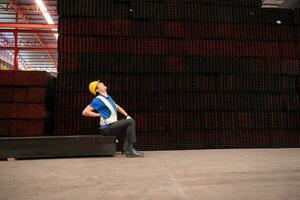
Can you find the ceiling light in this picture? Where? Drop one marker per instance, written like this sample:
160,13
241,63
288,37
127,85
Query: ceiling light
47,16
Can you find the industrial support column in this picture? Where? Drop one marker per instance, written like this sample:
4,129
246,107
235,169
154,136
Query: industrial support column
16,50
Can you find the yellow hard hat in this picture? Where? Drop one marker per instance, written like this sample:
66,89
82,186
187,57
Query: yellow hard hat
93,86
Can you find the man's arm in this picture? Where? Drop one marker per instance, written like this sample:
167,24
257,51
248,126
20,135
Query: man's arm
88,112
121,110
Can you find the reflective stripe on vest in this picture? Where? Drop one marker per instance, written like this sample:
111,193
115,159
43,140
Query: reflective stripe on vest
113,115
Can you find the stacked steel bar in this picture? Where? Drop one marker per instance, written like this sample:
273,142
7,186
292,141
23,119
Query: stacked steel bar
194,74
26,103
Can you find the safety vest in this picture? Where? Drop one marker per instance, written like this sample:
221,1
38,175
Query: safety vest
113,115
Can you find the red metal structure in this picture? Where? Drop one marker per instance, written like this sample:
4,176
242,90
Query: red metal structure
26,35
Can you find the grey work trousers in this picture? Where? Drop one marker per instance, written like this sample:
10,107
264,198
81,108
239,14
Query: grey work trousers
127,125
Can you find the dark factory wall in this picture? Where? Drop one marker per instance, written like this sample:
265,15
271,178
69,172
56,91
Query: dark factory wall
192,73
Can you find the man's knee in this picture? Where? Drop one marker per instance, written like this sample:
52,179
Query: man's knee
131,121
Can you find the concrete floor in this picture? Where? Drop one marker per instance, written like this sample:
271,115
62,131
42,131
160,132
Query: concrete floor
235,174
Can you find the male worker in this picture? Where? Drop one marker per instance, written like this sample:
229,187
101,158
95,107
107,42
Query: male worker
106,109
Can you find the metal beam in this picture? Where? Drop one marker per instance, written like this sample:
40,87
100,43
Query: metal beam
31,7
26,31
16,50
41,67
22,25
42,62
30,48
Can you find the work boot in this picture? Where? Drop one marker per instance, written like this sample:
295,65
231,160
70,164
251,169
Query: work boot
134,153
131,152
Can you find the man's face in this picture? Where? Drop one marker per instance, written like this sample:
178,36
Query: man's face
101,87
